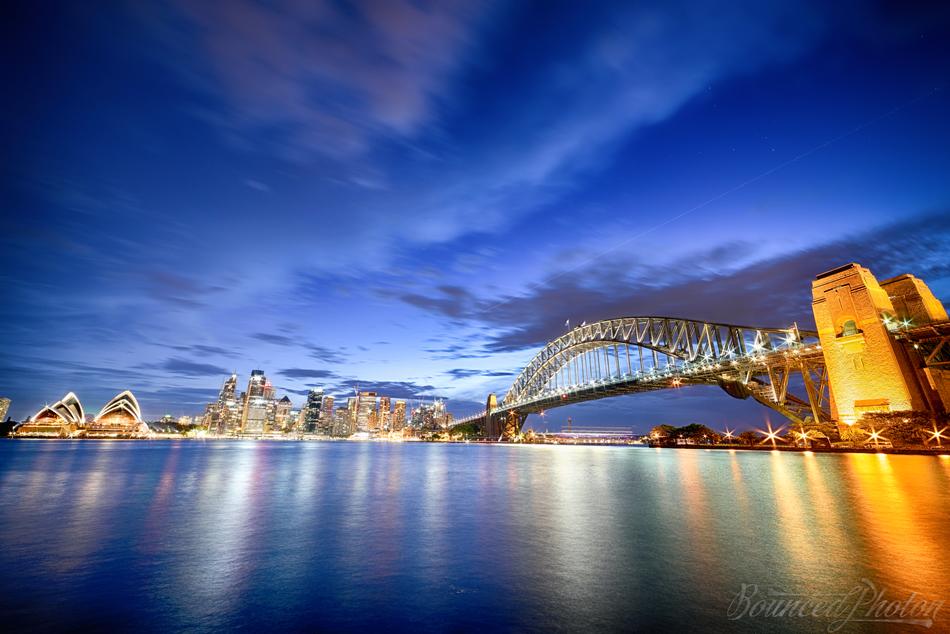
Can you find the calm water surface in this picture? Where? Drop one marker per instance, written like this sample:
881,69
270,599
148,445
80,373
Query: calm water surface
169,535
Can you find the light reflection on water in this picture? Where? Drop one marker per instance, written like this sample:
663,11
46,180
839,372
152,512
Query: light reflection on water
214,535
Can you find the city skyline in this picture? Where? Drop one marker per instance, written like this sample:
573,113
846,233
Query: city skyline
316,401
427,224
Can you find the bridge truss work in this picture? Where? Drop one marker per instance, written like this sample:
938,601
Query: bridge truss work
931,343
639,354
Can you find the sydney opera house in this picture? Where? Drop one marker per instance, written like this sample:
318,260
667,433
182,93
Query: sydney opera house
119,418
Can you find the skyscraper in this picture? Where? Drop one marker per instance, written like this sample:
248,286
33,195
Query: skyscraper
4,408
224,415
326,416
256,403
384,417
281,415
366,407
313,410
342,423
399,415
351,417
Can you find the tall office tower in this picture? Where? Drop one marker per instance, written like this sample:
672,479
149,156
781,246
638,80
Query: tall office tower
256,404
326,416
417,416
313,409
351,411
366,406
4,408
399,415
282,414
384,417
438,413
224,414
372,423
229,389
342,423
207,418
429,416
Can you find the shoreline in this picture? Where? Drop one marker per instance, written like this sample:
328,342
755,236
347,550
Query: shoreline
908,451
943,452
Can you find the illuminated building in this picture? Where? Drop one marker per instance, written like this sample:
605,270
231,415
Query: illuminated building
326,417
351,410
224,415
61,419
431,417
856,317
185,421
282,418
384,416
365,408
313,410
4,408
343,424
439,414
119,418
399,415
258,408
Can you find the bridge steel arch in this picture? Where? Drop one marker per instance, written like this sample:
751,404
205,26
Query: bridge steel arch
634,354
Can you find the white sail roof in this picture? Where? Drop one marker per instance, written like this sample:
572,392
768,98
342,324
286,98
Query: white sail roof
122,402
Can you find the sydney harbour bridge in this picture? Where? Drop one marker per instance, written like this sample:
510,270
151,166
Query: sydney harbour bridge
878,347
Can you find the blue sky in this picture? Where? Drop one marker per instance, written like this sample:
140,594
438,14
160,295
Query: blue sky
415,196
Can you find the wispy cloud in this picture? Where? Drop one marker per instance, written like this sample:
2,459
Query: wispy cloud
186,367
320,78
305,373
395,389
464,373
770,292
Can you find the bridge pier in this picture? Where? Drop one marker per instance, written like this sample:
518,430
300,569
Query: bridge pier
859,320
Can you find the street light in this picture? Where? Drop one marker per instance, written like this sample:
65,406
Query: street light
803,436
876,437
937,435
770,434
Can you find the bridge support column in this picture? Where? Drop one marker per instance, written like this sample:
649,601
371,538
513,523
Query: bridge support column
491,427
856,318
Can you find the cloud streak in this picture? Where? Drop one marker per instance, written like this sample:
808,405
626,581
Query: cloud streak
321,78
770,293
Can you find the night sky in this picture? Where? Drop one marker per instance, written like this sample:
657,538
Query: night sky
416,195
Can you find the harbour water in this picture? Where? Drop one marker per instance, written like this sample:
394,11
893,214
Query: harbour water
304,536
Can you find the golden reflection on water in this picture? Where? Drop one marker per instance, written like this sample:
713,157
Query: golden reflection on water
826,513
579,503
698,514
902,547
738,486
797,533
